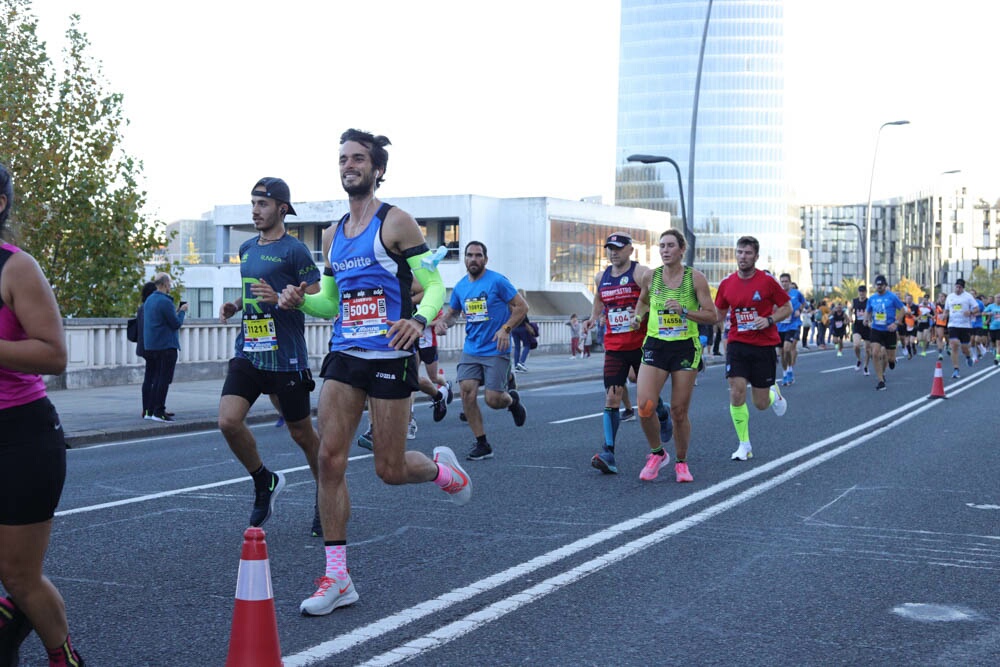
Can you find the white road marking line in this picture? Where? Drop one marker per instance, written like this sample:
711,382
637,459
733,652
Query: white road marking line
835,370
496,610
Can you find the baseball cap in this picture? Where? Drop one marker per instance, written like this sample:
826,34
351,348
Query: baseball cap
862,288
880,280
618,240
960,281
274,188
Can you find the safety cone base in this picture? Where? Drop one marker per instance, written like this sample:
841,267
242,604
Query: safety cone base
937,387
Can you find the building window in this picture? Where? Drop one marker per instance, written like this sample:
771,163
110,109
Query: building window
199,302
231,294
441,232
577,250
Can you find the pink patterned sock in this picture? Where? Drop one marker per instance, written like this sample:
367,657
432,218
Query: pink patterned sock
444,476
336,561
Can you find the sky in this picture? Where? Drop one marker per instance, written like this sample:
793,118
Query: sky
512,99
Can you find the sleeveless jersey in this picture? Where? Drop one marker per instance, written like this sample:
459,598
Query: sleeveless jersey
620,294
374,288
664,323
16,388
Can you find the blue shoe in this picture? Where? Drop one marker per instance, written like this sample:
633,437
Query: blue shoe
365,441
968,361
666,424
280,422
791,377
605,461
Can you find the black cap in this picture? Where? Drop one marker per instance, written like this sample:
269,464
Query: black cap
618,240
960,281
862,288
880,280
274,188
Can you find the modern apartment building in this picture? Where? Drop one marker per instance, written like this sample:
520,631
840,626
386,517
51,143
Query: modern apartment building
739,159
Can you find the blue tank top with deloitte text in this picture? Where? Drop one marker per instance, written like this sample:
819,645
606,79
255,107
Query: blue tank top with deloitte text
374,288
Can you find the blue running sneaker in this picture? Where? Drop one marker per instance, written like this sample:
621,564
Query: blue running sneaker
605,461
666,424
791,377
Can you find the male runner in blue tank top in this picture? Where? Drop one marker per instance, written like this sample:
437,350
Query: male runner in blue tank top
372,255
270,354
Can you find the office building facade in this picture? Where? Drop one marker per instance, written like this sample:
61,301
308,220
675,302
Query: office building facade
739,183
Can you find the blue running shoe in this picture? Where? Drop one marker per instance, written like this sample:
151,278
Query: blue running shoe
791,377
605,461
666,424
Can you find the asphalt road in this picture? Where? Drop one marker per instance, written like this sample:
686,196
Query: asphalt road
866,530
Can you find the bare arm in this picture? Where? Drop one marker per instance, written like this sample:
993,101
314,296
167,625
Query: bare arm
598,308
27,293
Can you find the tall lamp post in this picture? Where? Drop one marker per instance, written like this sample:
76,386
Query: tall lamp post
688,233
845,223
868,214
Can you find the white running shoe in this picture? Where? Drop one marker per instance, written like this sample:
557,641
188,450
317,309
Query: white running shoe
460,488
330,594
779,404
743,452
411,430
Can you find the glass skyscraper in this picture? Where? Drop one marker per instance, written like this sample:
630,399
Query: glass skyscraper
739,179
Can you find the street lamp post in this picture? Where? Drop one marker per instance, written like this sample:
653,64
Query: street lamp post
846,223
688,233
868,214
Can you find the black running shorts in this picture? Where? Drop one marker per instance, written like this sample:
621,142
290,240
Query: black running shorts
291,387
886,339
32,463
617,364
379,378
751,362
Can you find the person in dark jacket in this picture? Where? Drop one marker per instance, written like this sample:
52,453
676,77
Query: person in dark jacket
161,321
140,351
522,343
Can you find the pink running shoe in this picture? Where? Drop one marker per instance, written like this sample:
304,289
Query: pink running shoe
653,465
682,472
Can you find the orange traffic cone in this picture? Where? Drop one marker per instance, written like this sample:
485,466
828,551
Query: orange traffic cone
254,639
937,388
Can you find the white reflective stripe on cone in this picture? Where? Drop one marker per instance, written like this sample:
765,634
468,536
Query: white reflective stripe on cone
254,581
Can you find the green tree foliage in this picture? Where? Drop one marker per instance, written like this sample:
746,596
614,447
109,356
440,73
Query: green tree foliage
908,286
847,290
985,283
78,199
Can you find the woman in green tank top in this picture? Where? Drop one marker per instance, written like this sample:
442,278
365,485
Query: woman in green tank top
677,299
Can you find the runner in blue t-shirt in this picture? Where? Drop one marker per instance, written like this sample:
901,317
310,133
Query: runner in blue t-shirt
788,329
270,355
883,314
991,315
492,309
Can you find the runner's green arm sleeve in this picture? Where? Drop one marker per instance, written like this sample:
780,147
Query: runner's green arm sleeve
431,281
326,302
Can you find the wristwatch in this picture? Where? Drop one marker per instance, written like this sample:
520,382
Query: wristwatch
770,320
421,319
507,328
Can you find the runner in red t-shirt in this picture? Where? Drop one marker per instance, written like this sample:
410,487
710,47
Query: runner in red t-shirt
754,301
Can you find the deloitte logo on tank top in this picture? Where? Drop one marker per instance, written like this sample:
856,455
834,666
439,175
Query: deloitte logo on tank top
351,263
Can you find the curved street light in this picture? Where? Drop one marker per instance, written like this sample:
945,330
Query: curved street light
846,223
688,234
868,214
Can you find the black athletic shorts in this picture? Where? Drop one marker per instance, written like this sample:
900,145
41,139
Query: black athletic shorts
886,339
32,463
428,355
790,336
860,329
751,362
923,326
291,387
994,335
617,364
379,378
672,355
962,334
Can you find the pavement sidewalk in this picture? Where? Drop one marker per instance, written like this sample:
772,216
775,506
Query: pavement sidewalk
100,414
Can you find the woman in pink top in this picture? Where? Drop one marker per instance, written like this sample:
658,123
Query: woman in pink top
32,450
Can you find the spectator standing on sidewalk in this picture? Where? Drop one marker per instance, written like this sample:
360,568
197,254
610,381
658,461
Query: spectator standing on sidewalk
161,322
574,336
807,323
270,355
32,451
140,351
523,335
492,308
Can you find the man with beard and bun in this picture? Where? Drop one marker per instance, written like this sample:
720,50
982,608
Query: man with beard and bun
270,352
861,333
615,297
372,255
754,301
492,308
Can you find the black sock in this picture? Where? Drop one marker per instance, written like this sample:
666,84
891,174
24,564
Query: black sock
261,477
481,439
681,460
658,451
